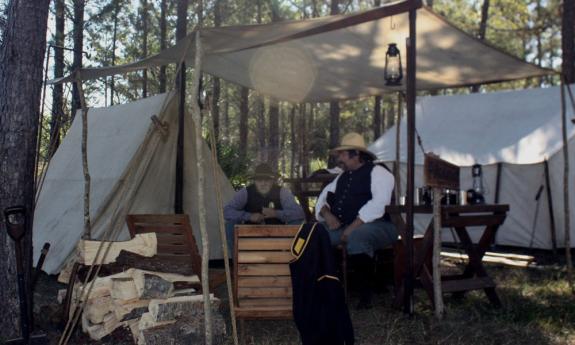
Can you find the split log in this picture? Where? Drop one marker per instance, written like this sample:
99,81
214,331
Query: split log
142,244
98,331
128,260
184,331
152,285
123,289
147,321
180,307
97,308
131,311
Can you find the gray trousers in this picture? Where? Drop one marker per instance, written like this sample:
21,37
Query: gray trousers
367,238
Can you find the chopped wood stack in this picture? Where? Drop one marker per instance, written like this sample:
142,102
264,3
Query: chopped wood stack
157,307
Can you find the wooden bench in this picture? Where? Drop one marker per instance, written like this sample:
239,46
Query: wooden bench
262,281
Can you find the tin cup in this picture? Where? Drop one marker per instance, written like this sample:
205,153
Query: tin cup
462,197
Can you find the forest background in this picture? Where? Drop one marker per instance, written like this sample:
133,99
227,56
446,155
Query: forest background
248,127
45,39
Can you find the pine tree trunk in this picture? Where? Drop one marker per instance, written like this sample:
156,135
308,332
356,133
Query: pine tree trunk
376,117
144,5
21,61
262,153
293,141
114,42
216,81
57,91
274,145
163,34
334,110
481,32
78,32
567,43
182,19
333,129
244,109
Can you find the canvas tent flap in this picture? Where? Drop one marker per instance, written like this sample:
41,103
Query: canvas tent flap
339,57
132,168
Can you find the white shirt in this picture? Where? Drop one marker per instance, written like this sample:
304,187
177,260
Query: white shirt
382,183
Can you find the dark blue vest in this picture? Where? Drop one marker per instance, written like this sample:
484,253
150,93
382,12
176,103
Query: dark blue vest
256,201
353,190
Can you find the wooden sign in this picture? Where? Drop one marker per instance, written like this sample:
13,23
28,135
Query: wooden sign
439,173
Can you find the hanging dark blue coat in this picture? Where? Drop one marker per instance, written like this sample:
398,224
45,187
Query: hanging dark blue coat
319,307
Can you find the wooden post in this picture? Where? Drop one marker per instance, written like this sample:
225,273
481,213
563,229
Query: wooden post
87,180
550,208
436,259
498,183
410,97
397,165
196,115
566,207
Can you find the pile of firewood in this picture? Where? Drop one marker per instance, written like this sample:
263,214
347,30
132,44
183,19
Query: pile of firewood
157,307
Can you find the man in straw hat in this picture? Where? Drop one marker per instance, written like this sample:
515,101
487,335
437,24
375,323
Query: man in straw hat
352,208
261,202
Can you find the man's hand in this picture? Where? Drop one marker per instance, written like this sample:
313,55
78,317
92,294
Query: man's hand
269,212
256,218
349,229
331,220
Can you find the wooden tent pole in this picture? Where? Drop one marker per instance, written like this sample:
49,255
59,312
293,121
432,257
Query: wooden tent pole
410,98
566,207
87,179
550,207
196,115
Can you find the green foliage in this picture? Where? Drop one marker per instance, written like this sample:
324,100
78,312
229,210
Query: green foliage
235,168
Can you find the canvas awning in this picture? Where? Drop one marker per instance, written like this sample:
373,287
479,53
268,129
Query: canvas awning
338,57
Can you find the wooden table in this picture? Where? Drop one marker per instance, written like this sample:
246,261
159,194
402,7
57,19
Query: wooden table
474,276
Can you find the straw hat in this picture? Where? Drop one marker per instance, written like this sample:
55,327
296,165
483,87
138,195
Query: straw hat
353,141
264,171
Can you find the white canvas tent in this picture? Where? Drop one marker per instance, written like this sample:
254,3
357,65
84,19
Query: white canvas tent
132,167
520,129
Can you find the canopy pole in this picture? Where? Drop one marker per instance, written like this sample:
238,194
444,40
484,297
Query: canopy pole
196,116
410,105
566,207
397,166
179,192
550,208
